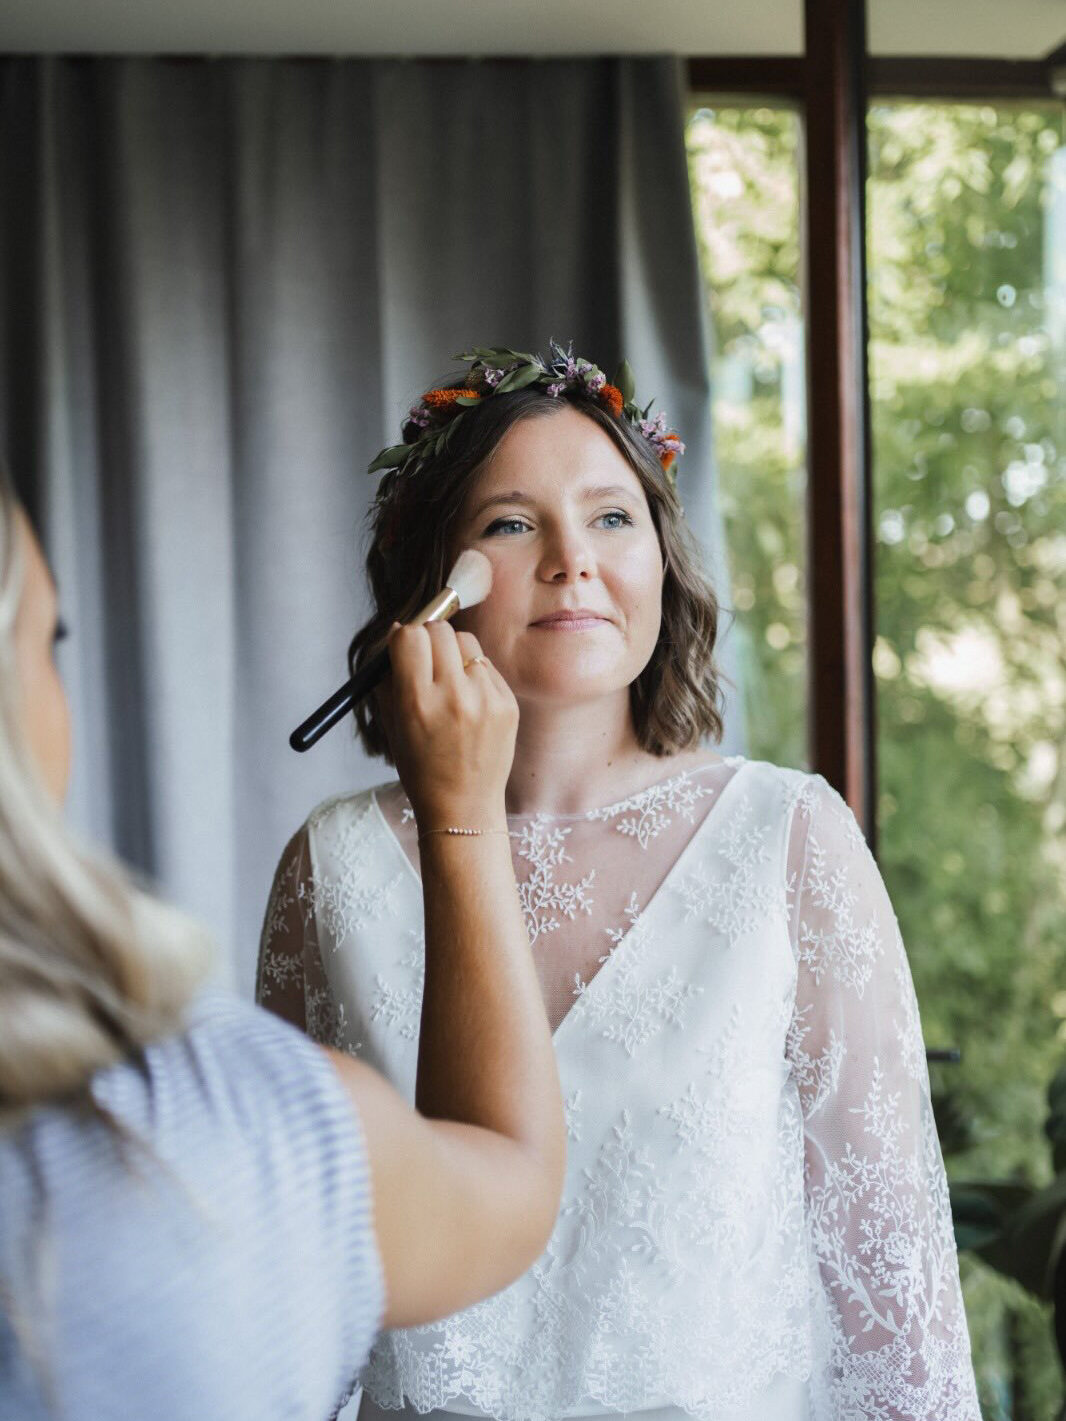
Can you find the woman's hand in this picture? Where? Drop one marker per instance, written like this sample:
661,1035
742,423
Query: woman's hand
451,723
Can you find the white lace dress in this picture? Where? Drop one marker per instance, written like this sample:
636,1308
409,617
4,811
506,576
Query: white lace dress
755,1220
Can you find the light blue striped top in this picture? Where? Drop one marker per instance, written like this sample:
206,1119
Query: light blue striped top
226,1267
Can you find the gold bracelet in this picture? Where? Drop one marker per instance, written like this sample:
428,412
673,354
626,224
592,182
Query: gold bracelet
453,829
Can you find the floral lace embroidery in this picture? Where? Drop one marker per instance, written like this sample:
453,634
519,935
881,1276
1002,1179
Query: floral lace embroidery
846,948
326,1021
541,896
400,1007
620,1192
681,1266
623,1008
345,902
621,1305
900,1256
281,959
279,971
817,1077
572,1111
911,1044
284,896
742,900
700,1120
655,808
893,1338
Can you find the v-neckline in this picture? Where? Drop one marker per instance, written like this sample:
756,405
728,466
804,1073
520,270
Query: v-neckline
623,943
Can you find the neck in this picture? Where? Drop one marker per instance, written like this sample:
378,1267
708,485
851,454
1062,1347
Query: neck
577,757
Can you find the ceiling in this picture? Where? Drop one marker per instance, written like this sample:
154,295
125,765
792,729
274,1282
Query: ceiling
1022,29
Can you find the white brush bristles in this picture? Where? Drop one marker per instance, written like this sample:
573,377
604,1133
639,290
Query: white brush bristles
471,578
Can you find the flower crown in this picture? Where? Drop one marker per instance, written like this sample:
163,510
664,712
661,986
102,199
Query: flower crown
431,423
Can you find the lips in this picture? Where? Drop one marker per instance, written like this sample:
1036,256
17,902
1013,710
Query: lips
572,619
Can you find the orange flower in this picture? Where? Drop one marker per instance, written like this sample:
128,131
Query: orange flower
611,396
666,458
438,399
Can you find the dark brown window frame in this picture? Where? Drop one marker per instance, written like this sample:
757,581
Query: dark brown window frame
831,85
781,76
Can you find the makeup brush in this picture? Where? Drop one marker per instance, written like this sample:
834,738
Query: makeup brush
468,584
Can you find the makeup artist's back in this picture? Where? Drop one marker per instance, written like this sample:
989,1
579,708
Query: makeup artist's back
185,1182
215,1250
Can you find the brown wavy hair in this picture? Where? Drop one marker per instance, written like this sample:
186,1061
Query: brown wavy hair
676,700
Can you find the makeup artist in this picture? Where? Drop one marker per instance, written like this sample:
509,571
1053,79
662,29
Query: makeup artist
201,1213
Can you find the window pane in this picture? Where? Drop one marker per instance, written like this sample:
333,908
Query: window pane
745,192
966,247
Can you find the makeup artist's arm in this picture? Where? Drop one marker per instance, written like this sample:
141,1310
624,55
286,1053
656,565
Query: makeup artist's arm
467,1186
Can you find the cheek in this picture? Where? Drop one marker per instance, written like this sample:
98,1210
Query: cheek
46,718
495,620
639,584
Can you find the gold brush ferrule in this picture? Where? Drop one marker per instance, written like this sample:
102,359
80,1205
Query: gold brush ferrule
443,606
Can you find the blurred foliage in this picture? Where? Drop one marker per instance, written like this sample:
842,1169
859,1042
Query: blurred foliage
967,365
745,185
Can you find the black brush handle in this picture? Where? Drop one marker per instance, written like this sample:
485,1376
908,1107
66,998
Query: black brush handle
341,702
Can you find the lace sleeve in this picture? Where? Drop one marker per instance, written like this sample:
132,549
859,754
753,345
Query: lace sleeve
290,980
888,1305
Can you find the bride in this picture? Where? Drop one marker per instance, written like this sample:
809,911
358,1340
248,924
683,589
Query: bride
755,1224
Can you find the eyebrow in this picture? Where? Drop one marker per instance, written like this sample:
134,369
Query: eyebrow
517,496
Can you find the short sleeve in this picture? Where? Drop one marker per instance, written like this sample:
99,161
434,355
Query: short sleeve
291,981
888,1305
312,1178
218,1207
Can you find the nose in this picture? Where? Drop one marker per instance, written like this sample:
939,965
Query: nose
567,557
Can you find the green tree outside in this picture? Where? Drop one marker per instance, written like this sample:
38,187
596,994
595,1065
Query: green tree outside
967,361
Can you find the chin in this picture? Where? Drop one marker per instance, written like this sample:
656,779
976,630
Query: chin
566,684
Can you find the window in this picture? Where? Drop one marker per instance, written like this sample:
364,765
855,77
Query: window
743,165
967,303
966,228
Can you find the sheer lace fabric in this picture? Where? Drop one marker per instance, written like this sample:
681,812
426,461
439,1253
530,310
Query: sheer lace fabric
754,1188
584,879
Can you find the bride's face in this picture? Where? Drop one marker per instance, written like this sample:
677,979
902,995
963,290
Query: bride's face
576,597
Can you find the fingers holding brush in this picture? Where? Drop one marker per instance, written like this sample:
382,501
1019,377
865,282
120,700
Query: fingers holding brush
452,727
469,583
447,657
477,664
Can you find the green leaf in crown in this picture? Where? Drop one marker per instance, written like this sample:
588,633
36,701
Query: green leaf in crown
496,371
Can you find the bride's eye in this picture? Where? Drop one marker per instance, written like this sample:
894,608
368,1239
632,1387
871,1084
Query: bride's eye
622,519
506,526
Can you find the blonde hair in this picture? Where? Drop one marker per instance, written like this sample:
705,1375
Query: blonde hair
91,967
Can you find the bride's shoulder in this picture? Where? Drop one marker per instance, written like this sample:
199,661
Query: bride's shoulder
807,804
791,790
350,807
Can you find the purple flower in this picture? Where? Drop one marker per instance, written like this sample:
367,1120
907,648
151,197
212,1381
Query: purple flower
556,388
595,380
492,376
419,415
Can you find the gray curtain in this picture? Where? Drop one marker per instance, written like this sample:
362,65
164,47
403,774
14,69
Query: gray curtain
221,285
